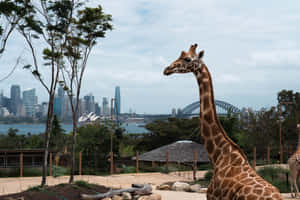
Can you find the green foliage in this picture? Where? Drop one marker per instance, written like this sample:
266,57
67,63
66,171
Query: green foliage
167,132
59,171
15,172
83,184
128,169
208,175
58,138
94,143
276,176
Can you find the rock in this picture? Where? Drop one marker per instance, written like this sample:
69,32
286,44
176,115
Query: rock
116,197
163,187
151,197
180,186
203,190
195,188
126,196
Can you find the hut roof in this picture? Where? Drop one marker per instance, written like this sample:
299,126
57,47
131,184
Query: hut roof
180,151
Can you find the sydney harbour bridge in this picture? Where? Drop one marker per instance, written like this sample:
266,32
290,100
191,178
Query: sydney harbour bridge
222,108
193,110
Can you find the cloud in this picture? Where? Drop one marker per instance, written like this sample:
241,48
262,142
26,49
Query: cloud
243,45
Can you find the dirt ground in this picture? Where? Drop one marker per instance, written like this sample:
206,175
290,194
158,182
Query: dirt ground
15,185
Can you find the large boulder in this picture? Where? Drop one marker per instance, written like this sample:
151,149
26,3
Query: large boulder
181,186
116,197
195,188
126,196
163,187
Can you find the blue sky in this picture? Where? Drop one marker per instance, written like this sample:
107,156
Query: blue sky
251,48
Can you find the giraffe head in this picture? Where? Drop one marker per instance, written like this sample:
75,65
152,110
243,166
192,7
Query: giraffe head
187,62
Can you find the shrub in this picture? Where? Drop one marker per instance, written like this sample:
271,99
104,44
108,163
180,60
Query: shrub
59,171
276,176
128,169
82,184
208,175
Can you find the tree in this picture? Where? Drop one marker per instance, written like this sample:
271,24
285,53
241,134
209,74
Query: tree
290,106
86,25
12,12
58,138
94,142
258,128
42,28
167,132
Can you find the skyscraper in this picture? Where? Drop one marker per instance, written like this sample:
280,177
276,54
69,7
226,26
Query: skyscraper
59,103
29,101
15,99
117,108
89,103
105,108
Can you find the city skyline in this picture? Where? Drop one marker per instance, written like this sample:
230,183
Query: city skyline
27,105
252,53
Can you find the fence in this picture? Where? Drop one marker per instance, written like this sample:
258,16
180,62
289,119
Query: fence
99,164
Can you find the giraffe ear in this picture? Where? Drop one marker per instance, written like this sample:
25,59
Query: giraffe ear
182,55
201,54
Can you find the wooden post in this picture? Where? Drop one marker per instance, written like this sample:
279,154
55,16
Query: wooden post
254,158
268,154
153,164
195,165
21,164
111,138
167,161
178,166
50,164
137,162
80,162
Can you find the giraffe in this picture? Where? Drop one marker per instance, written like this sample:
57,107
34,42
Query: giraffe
294,165
233,177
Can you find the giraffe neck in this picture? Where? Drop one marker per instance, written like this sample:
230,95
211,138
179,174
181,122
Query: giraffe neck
217,142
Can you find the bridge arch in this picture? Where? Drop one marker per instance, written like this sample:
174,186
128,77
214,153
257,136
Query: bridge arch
219,104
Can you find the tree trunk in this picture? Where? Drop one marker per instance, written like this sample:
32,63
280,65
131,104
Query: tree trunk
71,180
136,189
47,138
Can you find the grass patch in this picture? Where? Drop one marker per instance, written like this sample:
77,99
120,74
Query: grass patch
83,184
277,176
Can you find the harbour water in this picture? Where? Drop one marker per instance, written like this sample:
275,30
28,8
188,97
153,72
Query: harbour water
40,128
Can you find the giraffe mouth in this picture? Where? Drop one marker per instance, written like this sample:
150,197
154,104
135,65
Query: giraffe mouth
167,72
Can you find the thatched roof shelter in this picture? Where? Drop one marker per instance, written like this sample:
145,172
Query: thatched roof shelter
180,151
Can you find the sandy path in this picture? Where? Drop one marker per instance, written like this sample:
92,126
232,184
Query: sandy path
14,185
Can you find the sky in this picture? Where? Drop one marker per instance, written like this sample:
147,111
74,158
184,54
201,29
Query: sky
252,49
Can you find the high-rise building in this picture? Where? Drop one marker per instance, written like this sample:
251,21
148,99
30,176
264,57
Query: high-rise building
59,103
29,101
117,108
105,107
89,103
15,99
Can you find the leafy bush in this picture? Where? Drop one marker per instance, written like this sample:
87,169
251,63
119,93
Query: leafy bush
276,176
82,184
59,171
208,175
128,169
15,172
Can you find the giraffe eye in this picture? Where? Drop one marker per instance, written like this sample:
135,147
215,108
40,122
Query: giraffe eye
187,59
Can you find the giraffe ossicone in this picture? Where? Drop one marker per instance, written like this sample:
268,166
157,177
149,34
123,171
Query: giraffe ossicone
234,178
